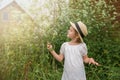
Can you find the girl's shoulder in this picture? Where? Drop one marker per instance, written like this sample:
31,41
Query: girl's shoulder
63,45
83,44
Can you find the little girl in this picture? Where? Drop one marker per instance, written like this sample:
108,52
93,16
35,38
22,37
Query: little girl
74,53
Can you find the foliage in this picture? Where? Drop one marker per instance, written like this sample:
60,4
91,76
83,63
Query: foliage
23,53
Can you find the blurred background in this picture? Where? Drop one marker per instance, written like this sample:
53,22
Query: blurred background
27,25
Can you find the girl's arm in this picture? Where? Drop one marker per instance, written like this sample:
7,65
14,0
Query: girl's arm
86,59
55,55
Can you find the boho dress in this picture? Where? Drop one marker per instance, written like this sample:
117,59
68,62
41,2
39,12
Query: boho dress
73,61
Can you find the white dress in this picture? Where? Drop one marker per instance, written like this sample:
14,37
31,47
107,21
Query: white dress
73,61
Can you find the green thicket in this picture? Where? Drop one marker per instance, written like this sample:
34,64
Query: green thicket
23,54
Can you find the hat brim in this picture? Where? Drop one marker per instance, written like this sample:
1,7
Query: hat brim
73,25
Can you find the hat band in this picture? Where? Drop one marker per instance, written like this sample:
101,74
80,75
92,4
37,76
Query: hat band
79,30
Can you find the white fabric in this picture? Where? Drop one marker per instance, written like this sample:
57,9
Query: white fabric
73,61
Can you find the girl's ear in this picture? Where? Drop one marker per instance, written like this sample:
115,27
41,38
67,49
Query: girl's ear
77,36
78,39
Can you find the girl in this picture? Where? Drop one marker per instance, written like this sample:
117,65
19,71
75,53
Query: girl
74,53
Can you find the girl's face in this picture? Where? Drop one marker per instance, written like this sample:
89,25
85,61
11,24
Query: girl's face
71,33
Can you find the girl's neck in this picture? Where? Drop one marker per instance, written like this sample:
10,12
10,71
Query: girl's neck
73,42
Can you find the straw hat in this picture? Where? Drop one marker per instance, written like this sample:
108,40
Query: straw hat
81,28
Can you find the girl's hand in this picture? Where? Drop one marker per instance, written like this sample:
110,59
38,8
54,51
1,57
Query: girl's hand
49,47
92,61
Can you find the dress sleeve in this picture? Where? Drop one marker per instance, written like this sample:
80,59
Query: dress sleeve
84,50
62,49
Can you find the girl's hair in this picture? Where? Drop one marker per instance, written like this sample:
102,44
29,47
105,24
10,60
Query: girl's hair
78,39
